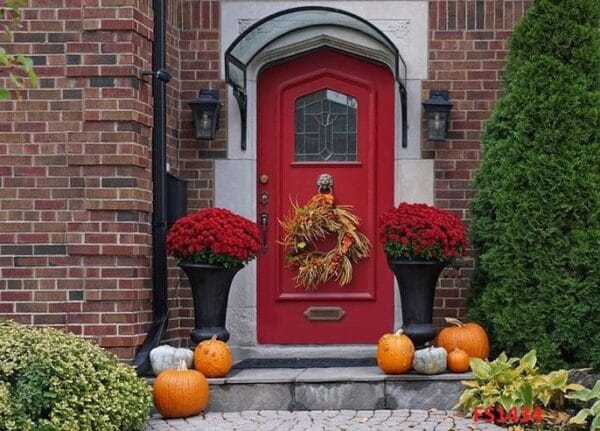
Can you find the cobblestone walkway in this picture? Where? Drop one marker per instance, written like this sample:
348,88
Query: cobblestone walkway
329,420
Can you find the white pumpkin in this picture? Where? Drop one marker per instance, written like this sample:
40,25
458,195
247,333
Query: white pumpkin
431,360
165,357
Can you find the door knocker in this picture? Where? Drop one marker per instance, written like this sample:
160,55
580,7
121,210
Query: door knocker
325,183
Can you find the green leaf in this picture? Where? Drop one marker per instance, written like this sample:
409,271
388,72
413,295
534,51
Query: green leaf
4,94
580,417
595,424
582,395
526,394
466,398
558,379
574,387
470,383
480,368
507,402
544,397
596,408
32,78
15,80
26,62
529,359
502,357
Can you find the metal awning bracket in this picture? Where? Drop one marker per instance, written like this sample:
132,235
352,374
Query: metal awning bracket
242,101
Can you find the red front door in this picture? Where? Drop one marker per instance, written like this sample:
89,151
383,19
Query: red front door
324,113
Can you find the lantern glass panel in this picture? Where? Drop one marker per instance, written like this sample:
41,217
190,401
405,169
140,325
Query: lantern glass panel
437,126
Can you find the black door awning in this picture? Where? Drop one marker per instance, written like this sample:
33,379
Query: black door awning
251,42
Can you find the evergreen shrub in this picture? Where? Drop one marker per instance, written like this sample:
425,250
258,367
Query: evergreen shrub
53,381
536,217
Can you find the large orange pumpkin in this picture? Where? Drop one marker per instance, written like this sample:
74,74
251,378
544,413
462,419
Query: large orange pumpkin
458,361
213,358
180,393
395,353
469,337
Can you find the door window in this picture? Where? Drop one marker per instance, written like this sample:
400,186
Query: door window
325,127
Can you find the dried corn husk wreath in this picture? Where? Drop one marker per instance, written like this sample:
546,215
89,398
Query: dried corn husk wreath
312,222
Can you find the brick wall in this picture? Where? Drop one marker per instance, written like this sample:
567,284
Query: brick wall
75,154
75,196
196,23
193,58
200,62
468,46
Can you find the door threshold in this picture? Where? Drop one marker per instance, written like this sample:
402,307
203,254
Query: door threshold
303,351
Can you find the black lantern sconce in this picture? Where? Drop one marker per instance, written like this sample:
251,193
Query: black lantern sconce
437,110
205,110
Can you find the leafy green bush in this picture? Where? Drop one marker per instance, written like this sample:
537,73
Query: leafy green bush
536,218
52,381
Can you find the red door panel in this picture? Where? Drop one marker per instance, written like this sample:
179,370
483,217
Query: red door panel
358,124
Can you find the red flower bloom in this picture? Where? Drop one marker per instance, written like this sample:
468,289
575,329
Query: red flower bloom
420,231
214,235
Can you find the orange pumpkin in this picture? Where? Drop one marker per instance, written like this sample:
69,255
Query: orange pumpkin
469,337
213,358
180,393
395,353
458,361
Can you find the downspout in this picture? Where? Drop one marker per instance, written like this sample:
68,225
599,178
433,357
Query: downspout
160,77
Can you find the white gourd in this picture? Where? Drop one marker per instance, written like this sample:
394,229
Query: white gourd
165,357
432,360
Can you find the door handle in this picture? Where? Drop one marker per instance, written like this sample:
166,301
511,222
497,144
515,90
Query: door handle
264,220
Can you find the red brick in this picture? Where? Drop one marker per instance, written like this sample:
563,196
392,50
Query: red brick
17,272
98,330
31,307
84,318
13,296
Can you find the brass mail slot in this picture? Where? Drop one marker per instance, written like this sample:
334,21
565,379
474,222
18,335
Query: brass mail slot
324,313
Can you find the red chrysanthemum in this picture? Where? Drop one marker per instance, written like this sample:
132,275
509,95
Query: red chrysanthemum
214,235
421,231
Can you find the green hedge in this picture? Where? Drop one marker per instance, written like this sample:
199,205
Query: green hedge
52,381
536,218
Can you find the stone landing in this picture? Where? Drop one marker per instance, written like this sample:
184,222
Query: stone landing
354,388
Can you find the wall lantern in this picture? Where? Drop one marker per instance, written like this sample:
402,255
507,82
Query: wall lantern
205,110
437,108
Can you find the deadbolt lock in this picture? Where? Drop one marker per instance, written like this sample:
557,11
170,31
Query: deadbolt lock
264,179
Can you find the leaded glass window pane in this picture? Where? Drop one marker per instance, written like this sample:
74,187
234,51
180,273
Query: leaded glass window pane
325,127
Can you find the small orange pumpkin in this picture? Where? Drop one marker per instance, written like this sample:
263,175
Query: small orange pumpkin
395,353
469,337
458,361
213,358
179,393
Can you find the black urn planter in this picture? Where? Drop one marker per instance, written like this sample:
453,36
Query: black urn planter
417,279
210,288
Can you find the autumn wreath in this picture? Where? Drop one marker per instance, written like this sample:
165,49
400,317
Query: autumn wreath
313,222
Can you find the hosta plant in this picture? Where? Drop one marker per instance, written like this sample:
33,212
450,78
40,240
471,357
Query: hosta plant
593,412
513,382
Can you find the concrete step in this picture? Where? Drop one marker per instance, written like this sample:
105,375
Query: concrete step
352,388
